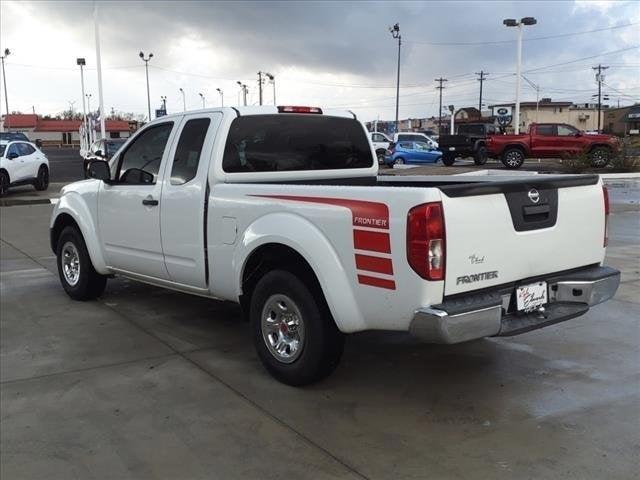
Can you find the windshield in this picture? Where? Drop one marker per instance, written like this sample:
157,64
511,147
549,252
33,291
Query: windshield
293,142
3,147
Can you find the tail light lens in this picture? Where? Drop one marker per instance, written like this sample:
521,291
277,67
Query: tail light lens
605,194
426,241
298,109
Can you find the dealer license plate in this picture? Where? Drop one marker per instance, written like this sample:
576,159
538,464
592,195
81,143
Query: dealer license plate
529,297
452,149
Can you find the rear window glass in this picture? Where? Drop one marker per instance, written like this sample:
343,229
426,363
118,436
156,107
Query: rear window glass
545,130
411,138
294,142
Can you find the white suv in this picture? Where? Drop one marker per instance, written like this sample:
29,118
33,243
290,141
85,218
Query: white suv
22,163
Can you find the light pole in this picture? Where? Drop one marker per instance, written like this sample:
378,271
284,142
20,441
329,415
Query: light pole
163,99
510,22
146,68
81,62
272,79
88,95
452,110
184,102
221,97
203,101
395,33
7,52
245,89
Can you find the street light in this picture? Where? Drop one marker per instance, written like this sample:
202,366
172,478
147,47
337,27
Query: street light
395,33
81,62
146,67
245,89
184,102
7,52
272,79
163,99
88,95
510,22
202,97
221,97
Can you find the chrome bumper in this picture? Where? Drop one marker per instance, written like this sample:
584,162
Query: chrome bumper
488,314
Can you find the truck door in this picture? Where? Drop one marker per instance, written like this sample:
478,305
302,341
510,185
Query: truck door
129,208
543,141
569,140
184,197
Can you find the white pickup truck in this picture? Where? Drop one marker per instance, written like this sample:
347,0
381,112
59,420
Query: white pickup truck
281,210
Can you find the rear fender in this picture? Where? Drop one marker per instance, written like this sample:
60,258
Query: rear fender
305,238
74,205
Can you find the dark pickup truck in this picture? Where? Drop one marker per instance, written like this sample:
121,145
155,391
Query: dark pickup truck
470,141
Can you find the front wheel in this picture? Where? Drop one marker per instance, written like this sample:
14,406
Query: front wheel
448,159
77,275
380,154
600,157
399,161
513,158
294,334
42,180
4,183
481,155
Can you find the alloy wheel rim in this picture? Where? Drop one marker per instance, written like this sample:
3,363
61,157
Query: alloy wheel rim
282,328
513,159
70,263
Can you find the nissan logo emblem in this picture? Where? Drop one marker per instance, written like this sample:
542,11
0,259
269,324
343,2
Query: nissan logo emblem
534,195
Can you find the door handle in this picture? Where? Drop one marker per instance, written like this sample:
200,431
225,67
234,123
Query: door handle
150,202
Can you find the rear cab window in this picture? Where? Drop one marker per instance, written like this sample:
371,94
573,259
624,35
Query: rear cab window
295,142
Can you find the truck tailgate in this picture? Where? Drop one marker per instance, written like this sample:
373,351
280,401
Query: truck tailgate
509,231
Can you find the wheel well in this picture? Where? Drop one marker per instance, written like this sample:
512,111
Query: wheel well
515,146
4,171
380,150
64,220
600,145
272,256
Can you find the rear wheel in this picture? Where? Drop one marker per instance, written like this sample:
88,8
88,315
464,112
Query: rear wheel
77,275
448,159
399,161
513,158
4,183
480,156
294,334
42,180
380,154
600,157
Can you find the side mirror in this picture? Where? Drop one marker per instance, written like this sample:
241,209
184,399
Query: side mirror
12,155
99,169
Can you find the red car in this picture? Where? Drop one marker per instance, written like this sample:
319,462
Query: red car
551,140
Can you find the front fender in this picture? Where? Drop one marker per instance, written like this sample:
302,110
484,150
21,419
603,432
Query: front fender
305,238
75,205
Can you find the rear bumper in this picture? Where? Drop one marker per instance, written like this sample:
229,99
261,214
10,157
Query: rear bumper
492,314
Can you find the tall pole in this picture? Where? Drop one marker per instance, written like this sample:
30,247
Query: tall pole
184,102
272,79
440,87
221,96
395,33
260,87
244,91
103,129
88,95
7,52
599,79
203,101
146,68
82,62
483,77
516,116
164,103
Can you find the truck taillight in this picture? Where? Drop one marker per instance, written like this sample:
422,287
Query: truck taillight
426,241
298,109
605,194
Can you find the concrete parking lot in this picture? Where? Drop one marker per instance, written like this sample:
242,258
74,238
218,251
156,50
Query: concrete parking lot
148,383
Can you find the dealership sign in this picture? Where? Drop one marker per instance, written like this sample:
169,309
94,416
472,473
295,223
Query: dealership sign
503,115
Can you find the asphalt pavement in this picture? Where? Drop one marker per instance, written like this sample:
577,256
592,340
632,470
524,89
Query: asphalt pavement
147,383
65,165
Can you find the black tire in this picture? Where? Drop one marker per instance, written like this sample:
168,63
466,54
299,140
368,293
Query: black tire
42,180
513,158
320,343
481,155
399,161
448,159
380,154
4,183
89,284
600,157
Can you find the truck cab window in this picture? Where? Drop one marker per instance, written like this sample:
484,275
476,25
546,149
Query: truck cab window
566,131
546,130
139,164
185,162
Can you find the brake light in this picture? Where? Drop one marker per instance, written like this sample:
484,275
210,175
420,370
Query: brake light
295,109
426,241
605,194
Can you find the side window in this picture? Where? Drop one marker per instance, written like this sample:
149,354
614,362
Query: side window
13,149
378,138
566,131
185,162
546,130
25,149
140,163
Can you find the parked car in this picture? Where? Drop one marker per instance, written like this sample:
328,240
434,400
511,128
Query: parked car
470,141
414,137
411,153
22,163
552,140
10,136
381,144
102,149
281,210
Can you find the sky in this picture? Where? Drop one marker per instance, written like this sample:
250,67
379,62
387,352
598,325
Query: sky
332,54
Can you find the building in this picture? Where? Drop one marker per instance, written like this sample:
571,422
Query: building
623,121
58,133
583,116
